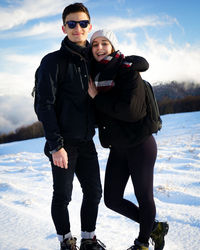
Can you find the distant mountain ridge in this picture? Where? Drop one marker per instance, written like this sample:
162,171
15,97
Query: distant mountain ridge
176,90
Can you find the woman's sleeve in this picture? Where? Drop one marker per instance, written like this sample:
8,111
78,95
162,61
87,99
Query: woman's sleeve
126,103
139,63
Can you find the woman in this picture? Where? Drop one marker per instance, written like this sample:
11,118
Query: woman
119,96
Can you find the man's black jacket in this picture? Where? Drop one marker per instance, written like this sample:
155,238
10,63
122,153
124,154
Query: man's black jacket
63,105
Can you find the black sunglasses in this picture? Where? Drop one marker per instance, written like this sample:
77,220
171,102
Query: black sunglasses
82,23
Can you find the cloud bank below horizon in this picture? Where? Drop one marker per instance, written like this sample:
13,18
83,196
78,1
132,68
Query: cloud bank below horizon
16,111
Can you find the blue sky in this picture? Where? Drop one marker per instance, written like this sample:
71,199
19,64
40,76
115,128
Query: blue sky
166,33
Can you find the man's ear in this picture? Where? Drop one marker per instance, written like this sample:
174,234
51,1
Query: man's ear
90,27
63,29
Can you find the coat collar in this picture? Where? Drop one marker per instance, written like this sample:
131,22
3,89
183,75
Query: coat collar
69,47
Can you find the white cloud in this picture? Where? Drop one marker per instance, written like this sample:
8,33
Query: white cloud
18,74
53,29
20,12
167,60
117,23
42,30
16,84
16,111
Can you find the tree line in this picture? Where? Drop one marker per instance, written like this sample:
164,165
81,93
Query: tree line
186,104
34,130
166,106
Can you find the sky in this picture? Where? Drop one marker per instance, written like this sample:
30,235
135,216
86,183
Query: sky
166,33
26,191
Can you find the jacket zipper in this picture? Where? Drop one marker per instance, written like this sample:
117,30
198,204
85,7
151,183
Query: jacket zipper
79,71
86,69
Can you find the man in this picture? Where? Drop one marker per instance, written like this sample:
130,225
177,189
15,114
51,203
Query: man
65,110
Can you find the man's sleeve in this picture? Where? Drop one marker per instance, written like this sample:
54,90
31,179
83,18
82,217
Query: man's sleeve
45,106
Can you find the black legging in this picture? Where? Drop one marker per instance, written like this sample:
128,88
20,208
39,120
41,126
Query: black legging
137,162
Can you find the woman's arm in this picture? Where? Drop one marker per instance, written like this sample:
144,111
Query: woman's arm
126,103
139,63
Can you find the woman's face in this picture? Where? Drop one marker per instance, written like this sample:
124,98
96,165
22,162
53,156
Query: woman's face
101,48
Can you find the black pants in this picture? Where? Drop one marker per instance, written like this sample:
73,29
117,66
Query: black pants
82,160
137,162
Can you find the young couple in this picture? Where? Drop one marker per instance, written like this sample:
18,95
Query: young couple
75,90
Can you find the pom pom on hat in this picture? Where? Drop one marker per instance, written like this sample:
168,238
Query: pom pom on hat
108,34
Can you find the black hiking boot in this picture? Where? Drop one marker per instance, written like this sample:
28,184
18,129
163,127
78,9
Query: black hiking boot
68,244
92,244
139,246
158,234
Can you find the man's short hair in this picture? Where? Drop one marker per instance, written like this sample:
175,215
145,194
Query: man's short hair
72,8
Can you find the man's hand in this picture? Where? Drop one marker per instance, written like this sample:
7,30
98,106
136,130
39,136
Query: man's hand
92,90
60,158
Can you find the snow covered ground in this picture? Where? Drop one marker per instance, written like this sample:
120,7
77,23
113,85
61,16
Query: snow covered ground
26,189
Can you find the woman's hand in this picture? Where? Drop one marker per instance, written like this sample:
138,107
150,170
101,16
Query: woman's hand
92,90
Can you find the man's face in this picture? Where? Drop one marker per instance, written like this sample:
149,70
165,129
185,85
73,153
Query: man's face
78,34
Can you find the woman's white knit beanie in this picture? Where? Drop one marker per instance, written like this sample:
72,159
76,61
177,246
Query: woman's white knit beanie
108,34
